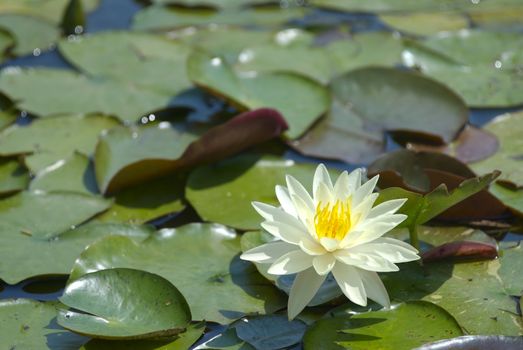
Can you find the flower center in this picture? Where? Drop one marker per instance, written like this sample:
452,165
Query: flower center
332,221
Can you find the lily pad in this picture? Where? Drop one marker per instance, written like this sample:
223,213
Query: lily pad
50,10
206,268
512,198
55,256
124,304
74,173
479,66
75,93
227,340
29,33
30,324
53,139
411,107
270,332
476,342
226,196
425,23
123,146
146,60
511,264
156,17
300,100
13,177
181,342
403,327
6,43
507,128
45,215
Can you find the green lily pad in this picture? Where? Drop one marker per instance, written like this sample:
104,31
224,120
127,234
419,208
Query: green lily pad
411,106
75,93
146,60
512,198
57,255
405,326
300,100
124,304
29,324
471,292
182,342
507,128
271,332
45,215
476,342
13,177
50,10
425,23
74,173
479,66
506,17
29,33
147,201
124,146
6,42
226,196
205,267
510,271
155,18
212,3
53,139
228,340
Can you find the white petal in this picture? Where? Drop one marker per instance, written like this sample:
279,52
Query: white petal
365,190
354,180
323,195
305,215
321,176
366,261
292,262
350,283
361,211
388,249
341,187
330,244
287,233
268,252
388,207
270,213
312,247
368,231
303,290
323,264
374,287
282,193
297,189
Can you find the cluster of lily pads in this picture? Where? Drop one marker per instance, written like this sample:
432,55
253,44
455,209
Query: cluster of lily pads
132,173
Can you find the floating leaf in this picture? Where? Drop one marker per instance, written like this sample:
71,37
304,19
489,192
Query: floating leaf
29,324
182,342
503,18
54,139
123,146
50,10
155,18
74,173
6,42
146,60
31,35
44,215
13,177
507,128
510,271
271,332
425,23
467,342
212,3
512,198
228,340
405,326
461,250
226,196
411,107
300,100
74,93
124,304
206,268
54,256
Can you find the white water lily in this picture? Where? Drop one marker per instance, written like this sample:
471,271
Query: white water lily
336,230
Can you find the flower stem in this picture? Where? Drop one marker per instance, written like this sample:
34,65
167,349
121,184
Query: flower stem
413,233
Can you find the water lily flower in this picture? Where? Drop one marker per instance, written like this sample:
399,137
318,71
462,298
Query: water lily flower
337,230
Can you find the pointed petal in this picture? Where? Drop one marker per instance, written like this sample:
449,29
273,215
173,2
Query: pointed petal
287,233
268,253
270,213
323,264
321,176
388,207
370,262
297,189
388,249
354,180
341,187
361,211
330,244
374,287
369,231
282,193
350,283
323,195
292,262
312,247
305,215
365,190
303,290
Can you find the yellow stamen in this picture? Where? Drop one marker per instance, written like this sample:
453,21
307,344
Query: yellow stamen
332,221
